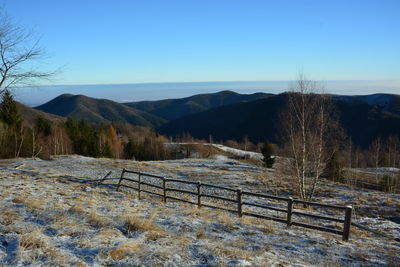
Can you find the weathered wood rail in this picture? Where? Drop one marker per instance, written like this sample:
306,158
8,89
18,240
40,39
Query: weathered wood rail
242,204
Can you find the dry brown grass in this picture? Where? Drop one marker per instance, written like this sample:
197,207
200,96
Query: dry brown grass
108,235
56,258
68,225
35,239
155,235
201,234
226,219
125,249
138,223
206,214
98,220
8,216
266,226
226,250
20,199
36,204
84,242
78,209
361,256
58,205
246,220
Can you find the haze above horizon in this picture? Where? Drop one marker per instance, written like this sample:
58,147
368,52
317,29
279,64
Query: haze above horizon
34,96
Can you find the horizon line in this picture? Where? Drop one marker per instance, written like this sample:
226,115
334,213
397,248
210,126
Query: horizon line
199,82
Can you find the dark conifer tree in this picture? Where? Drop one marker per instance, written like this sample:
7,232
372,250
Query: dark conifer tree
267,152
9,112
107,152
44,126
131,150
333,169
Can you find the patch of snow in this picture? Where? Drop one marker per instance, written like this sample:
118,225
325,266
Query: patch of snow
238,152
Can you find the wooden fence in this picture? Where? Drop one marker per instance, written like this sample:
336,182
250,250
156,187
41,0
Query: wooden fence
240,200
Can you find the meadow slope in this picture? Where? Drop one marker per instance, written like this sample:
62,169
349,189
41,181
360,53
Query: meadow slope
48,218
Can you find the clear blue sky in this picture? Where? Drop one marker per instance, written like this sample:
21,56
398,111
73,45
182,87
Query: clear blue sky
127,41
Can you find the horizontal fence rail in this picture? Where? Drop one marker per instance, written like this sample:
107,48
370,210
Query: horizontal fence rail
200,192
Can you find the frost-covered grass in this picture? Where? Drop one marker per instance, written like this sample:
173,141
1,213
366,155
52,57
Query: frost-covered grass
47,219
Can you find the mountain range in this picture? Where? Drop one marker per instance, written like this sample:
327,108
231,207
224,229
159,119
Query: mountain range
362,117
229,115
94,110
144,113
172,109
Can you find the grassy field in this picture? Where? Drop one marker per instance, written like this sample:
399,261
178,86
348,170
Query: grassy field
48,219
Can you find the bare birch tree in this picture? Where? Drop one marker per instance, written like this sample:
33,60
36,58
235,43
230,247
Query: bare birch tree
306,122
376,152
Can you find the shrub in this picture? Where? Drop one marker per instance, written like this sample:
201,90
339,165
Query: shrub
267,152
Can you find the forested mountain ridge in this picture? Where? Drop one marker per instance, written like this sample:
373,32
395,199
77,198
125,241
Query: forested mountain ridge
227,115
362,117
94,110
171,109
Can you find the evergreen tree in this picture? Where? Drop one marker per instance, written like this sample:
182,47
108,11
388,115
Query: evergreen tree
131,150
9,112
71,128
333,168
107,152
267,152
87,143
44,126
84,138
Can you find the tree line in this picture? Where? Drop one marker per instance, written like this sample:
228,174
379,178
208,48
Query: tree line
45,138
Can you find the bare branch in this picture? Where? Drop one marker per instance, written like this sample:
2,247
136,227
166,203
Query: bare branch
20,54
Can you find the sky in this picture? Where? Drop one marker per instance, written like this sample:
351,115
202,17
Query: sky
148,41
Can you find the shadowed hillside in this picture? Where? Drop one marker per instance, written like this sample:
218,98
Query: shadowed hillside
98,110
363,117
228,115
30,115
387,102
171,109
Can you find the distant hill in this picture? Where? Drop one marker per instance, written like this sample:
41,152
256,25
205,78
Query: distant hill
366,117
98,110
171,109
387,102
363,117
30,115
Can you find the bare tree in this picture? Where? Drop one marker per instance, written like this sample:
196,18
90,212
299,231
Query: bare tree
392,147
19,55
376,152
307,122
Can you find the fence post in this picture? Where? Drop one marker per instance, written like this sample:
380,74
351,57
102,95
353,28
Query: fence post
164,191
289,212
199,195
347,223
239,200
104,178
120,179
139,187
